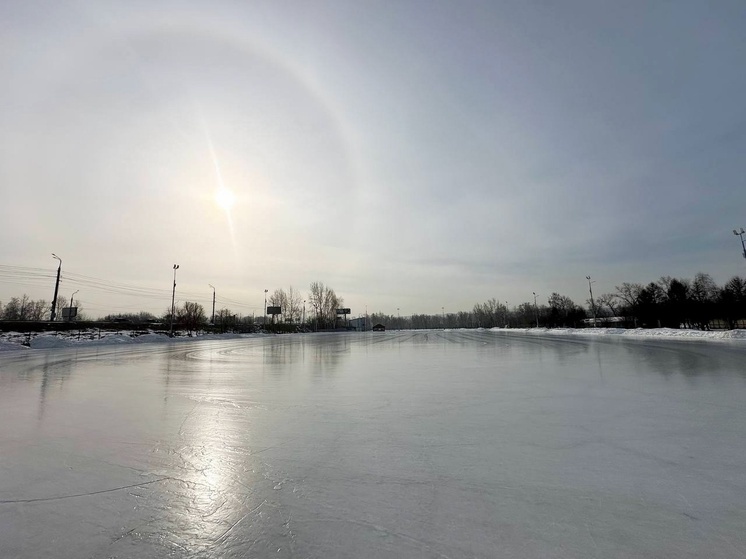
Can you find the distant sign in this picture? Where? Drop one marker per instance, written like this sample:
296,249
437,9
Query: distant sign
343,311
274,310
69,312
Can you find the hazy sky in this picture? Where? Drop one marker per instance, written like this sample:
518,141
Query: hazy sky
408,154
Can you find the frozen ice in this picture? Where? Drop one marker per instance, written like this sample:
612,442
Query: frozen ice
398,444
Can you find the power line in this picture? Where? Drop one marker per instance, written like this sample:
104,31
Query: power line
42,277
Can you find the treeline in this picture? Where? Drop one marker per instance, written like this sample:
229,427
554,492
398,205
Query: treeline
680,302
318,311
24,308
669,302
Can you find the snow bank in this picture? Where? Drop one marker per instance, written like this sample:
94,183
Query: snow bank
56,341
49,342
10,346
14,341
637,333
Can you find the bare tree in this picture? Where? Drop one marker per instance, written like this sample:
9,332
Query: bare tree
294,305
607,300
226,319
191,316
23,308
37,310
325,303
629,293
279,299
703,288
13,309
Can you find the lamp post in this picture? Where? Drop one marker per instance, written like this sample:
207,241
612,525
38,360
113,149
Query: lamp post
593,303
443,310
740,234
536,309
304,314
173,303
213,303
70,310
265,308
56,289
398,317
507,315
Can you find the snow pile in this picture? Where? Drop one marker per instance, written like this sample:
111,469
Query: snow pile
151,338
6,345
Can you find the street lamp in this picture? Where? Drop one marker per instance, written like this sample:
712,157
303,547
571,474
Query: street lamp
536,309
265,308
70,310
213,303
173,303
593,303
56,288
740,234
398,317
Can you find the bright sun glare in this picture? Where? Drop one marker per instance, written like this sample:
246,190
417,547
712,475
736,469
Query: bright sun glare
224,198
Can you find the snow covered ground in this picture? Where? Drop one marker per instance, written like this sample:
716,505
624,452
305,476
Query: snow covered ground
10,341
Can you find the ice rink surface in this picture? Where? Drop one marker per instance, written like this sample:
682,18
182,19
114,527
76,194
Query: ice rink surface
419,444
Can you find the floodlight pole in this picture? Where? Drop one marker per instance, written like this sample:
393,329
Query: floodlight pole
593,303
213,304
56,289
265,309
740,234
173,303
536,309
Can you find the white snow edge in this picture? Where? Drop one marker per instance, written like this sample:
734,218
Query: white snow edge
635,333
15,341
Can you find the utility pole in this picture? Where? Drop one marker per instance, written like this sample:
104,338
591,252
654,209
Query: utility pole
265,309
213,304
173,303
593,303
56,289
536,309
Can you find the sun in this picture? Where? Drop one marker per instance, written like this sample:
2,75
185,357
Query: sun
224,198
